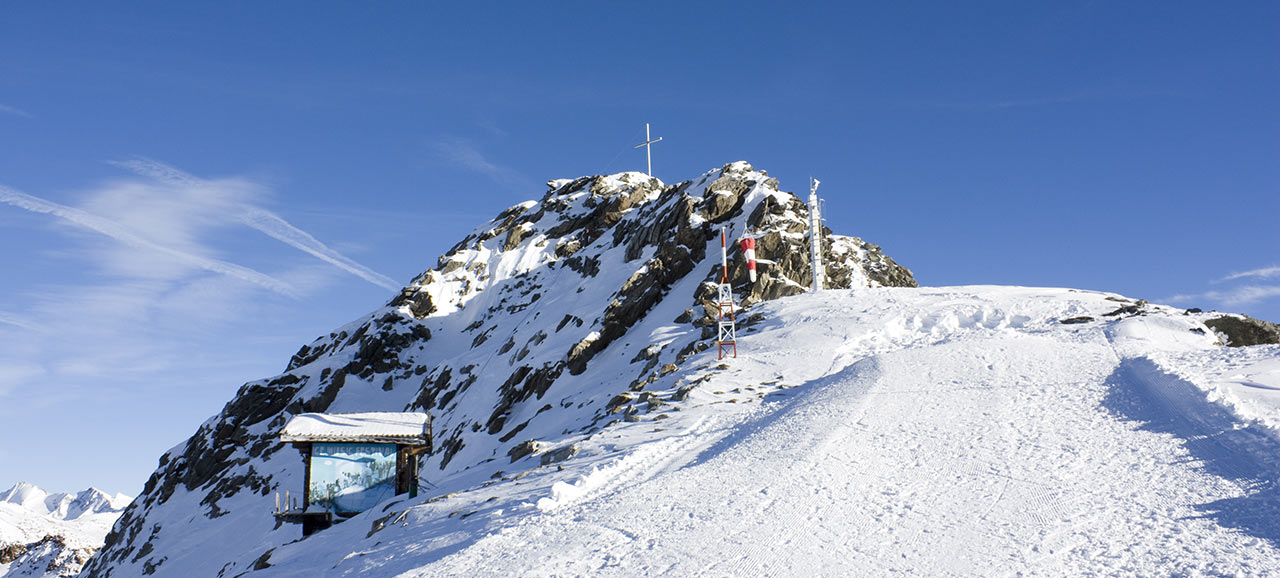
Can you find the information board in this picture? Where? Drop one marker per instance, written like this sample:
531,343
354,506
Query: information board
351,478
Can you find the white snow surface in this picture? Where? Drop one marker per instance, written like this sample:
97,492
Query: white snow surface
937,431
28,514
956,431
375,425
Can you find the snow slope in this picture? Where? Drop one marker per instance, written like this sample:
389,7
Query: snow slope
942,432
540,328
583,425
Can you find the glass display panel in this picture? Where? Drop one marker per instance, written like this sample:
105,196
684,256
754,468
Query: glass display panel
351,478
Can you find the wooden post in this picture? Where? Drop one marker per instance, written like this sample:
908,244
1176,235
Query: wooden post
402,469
413,476
306,479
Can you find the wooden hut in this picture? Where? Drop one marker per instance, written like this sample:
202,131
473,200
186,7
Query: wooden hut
353,462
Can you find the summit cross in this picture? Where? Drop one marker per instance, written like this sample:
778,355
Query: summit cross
648,141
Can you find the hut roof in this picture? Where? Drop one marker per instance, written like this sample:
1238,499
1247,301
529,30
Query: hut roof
370,427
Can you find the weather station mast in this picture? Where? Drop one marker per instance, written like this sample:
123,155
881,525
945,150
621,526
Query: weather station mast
815,234
727,334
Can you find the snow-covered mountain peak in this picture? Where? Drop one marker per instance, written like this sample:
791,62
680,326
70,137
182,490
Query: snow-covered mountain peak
63,506
53,534
543,324
24,494
583,423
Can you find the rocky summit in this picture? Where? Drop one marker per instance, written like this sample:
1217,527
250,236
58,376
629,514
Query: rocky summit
557,319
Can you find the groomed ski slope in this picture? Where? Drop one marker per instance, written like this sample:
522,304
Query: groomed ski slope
932,432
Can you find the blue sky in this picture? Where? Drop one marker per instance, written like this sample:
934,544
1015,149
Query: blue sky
191,191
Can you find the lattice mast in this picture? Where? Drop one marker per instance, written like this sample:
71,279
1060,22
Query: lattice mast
815,235
727,341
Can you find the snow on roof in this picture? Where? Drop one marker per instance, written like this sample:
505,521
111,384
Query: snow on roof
388,427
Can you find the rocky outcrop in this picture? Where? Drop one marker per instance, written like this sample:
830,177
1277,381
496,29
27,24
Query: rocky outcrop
1242,330
510,323
49,556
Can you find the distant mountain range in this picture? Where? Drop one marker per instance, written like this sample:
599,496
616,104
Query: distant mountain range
44,534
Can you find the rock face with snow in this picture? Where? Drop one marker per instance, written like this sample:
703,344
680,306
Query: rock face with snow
585,426
43,534
555,319
1242,330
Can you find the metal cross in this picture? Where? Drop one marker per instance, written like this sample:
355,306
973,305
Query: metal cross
648,141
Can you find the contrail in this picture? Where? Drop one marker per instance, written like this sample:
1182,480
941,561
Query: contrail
158,171
279,229
120,233
265,221
14,320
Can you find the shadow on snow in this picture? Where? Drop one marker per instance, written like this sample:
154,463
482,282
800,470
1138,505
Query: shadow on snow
1246,455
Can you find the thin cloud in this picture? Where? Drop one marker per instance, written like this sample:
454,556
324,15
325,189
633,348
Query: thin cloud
14,375
1250,294
120,233
493,128
464,155
1263,273
14,111
262,220
16,321
1245,295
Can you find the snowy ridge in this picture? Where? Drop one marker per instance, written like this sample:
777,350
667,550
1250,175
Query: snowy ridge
945,432
584,426
532,334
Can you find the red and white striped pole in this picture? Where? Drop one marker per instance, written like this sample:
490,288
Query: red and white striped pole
724,259
749,252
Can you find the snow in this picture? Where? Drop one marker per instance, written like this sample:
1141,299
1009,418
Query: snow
942,431
365,426
933,431
28,514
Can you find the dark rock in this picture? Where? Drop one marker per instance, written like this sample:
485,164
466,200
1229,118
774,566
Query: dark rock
559,454
525,448
1127,310
480,339
1074,320
261,562
514,236
569,319
588,267
1242,330
12,552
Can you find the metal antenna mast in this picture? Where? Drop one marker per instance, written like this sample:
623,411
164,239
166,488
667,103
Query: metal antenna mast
815,234
648,141
727,334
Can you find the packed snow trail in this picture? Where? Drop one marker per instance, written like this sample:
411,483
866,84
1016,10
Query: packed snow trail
961,459
935,432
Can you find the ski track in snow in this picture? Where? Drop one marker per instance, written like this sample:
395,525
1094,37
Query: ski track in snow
935,432
866,474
